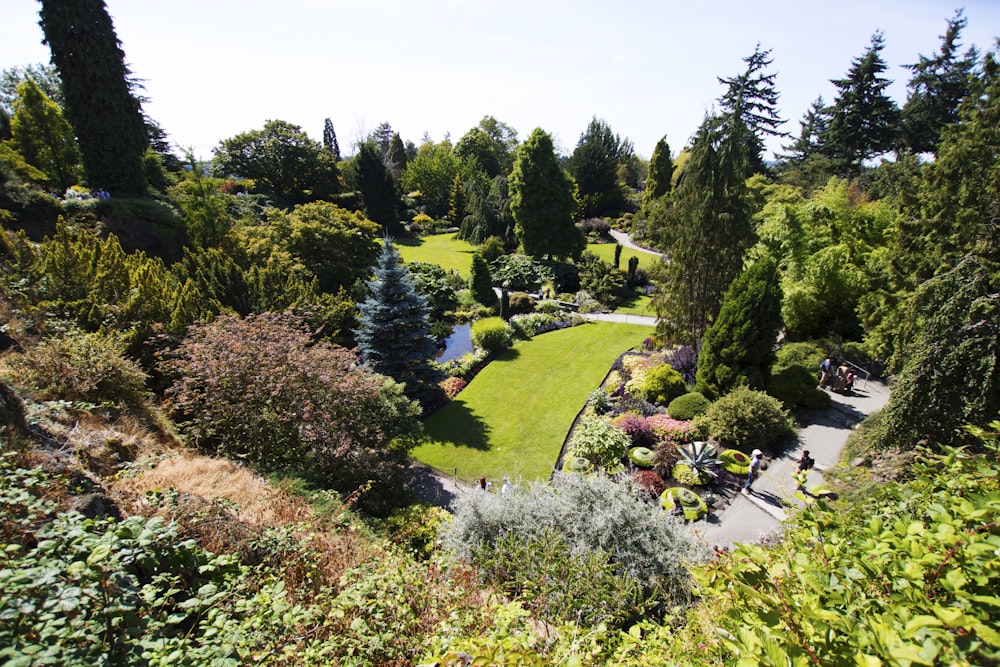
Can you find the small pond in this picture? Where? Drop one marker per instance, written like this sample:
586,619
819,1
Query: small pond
457,344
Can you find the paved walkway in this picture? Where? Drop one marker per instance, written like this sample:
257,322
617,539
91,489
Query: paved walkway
824,433
625,241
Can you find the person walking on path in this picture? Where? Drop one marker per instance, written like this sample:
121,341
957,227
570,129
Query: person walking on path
754,469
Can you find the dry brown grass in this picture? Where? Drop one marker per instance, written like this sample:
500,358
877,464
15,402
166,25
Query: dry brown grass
259,503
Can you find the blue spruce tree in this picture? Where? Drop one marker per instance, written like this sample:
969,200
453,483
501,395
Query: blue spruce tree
394,328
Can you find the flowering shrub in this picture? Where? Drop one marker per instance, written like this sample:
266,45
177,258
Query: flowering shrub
531,324
666,428
636,428
467,366
649,482
452,386
684,360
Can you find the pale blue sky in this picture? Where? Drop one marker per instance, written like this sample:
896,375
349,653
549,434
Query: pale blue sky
215,68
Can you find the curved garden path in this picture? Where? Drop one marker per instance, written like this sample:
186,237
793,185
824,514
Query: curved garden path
824,433
625,241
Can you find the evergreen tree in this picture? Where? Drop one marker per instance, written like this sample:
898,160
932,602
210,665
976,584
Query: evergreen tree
378,189
661,173
807,155
952,373
542,202
393,332
953,216
44,137
863,119
594,164
938,85
99,103
481,282
457,203
330,139
753,98
704,231
738,349
397,158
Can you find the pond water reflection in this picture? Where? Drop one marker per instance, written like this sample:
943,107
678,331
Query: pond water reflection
457,344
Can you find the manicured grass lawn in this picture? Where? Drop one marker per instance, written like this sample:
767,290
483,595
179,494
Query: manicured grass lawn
512,418
637,305
606,251
441,249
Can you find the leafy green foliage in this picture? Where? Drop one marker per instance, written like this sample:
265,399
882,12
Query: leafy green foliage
600,441
917,561
261,390
795,387
592,515
520,272
281,160
80,366
491,334
44,137
555,583
688,406
746,419
663,384
481,282
600,279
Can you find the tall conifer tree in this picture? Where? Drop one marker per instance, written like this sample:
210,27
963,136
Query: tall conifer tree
99,103
393,332
738,348
542,201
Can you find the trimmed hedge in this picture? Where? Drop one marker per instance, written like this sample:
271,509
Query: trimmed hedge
685,500
642,457
688,406
735,461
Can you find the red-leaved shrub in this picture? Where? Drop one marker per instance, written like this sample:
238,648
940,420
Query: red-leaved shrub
649,481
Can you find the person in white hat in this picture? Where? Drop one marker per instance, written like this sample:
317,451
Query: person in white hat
755,457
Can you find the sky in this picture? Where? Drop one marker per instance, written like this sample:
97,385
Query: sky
215,68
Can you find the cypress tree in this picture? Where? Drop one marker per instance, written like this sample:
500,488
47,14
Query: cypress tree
738,349
330,139
661,173
99,102
481,283
393,332
378,188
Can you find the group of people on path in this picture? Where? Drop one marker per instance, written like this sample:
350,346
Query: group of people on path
839,378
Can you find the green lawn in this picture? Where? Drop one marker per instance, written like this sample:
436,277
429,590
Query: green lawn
637,305
606,251
441,249
512,418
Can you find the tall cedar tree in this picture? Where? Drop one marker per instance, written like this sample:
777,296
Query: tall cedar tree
481,282
704,232
330,142
378,189
542,202
738,348
661,173
753,98
99,103
394,327
807,155
938,85
863,119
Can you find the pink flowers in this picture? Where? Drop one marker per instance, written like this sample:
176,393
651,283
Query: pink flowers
667,428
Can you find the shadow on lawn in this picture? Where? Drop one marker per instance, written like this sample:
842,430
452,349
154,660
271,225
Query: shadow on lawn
457,426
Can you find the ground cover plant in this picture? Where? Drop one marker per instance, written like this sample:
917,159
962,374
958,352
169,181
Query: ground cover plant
512,418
